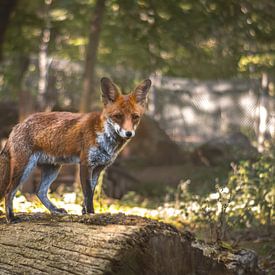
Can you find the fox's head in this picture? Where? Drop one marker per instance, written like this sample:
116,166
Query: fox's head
123,112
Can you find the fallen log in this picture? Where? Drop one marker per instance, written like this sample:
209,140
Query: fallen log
111,244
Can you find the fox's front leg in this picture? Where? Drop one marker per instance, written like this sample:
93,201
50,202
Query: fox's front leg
89,178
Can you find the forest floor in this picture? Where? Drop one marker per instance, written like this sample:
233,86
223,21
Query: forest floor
153,179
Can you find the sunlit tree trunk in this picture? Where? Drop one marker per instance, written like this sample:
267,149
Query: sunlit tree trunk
91,56
6,9
263,113
43,60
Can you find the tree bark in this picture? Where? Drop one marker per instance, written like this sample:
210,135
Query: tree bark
6,9
111,244
91,56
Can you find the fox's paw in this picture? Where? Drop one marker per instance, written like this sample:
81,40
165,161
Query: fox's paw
84,211
13,219
59,211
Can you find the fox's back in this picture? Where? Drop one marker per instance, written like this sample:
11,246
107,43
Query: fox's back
58,133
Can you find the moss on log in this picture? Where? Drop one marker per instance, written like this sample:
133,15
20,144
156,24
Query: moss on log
110,244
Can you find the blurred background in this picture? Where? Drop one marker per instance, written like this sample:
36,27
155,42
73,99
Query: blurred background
203,157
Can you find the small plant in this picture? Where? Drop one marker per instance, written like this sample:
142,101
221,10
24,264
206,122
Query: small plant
182,192
214,213
225,197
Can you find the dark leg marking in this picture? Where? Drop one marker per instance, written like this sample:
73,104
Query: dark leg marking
49,173
89,178
9,205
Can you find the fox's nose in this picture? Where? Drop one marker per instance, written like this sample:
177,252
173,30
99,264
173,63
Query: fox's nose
128,134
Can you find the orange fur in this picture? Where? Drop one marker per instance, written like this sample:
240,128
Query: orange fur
47,139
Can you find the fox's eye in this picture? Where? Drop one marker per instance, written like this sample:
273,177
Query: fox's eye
118,116
135,117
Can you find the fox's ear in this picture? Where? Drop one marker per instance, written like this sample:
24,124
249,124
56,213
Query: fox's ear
141,91
110,91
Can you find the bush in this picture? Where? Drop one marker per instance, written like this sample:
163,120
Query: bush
247,200
252,188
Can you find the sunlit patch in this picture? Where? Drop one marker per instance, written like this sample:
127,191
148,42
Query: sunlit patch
69,197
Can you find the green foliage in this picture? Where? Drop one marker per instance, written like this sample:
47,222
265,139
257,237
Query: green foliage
247,200
196,39
252,186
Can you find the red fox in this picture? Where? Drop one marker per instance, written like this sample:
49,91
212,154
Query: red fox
49,140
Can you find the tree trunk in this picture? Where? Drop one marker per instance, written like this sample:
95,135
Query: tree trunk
6,9
91,56
111,244
263,113
43,60
25,103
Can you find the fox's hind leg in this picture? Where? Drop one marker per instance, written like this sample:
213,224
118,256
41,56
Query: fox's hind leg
21,170
49,173
9,205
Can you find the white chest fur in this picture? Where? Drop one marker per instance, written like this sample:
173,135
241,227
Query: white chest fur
108,145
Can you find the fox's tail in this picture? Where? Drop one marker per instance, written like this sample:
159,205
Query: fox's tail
4,171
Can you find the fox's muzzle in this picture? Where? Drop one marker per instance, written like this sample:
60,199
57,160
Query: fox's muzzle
122,132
